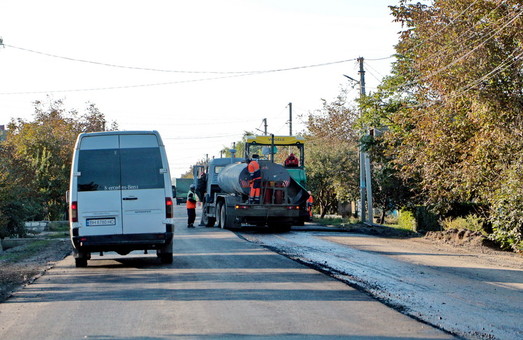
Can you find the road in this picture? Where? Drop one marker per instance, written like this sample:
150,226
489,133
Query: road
219,286
474,292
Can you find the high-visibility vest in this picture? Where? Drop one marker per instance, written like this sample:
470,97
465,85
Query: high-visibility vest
191,195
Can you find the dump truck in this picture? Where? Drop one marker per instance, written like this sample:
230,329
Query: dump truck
224,185
182,188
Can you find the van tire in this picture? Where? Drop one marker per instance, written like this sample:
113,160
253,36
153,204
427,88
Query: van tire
80,262
166,258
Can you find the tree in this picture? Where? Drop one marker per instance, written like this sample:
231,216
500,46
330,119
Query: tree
462,65
468,86
332,154
36,155
391,191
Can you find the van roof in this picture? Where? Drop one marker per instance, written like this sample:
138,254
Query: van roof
105,133
120,133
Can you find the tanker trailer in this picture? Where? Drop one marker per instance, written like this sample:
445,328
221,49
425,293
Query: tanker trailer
227,196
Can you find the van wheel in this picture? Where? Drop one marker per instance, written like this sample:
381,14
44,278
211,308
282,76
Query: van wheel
80,262
166,258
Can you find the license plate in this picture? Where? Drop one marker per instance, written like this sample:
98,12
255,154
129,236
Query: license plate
93,222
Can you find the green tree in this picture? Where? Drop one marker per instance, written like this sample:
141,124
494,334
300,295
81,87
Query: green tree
391,191
36,159
332,154
462,66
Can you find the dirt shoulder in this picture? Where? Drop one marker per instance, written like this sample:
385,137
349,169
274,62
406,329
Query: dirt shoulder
23,264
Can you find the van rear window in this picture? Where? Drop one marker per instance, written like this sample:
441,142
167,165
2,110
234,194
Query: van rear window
141,168
115,169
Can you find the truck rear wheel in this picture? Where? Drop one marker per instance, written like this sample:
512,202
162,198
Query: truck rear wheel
221,215
226,220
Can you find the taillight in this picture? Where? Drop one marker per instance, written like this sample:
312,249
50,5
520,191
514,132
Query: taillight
73,211
168,207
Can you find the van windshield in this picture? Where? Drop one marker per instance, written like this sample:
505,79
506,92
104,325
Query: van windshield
120,169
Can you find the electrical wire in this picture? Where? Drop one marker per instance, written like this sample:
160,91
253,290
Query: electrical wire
179,71
455,61
465,42
202,137
452,20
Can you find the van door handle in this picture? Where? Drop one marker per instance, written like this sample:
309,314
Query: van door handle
130,198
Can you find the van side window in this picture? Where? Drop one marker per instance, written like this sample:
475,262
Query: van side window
141,168
100,170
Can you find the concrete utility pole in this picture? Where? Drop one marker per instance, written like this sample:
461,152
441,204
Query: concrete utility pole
365,173
290,119
364,158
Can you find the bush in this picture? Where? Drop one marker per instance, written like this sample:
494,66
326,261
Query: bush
418,218
406,220
426,220
506,213
470,222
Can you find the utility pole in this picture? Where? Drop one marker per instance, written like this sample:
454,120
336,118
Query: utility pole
365,173
265,126
364,158
290,119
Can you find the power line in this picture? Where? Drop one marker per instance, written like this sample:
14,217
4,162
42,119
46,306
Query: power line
203,137
452,20
179,71
224,75
466,41
457,60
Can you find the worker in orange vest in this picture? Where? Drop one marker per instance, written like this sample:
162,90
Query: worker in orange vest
192,198
310,202
255,180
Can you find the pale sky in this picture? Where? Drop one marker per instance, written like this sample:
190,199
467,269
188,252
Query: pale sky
125,56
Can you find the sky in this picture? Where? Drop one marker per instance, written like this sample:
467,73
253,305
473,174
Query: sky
200,72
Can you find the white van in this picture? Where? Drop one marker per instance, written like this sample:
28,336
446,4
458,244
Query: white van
120,196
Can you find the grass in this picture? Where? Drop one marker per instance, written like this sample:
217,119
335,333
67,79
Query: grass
26,251
335,221
58,226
